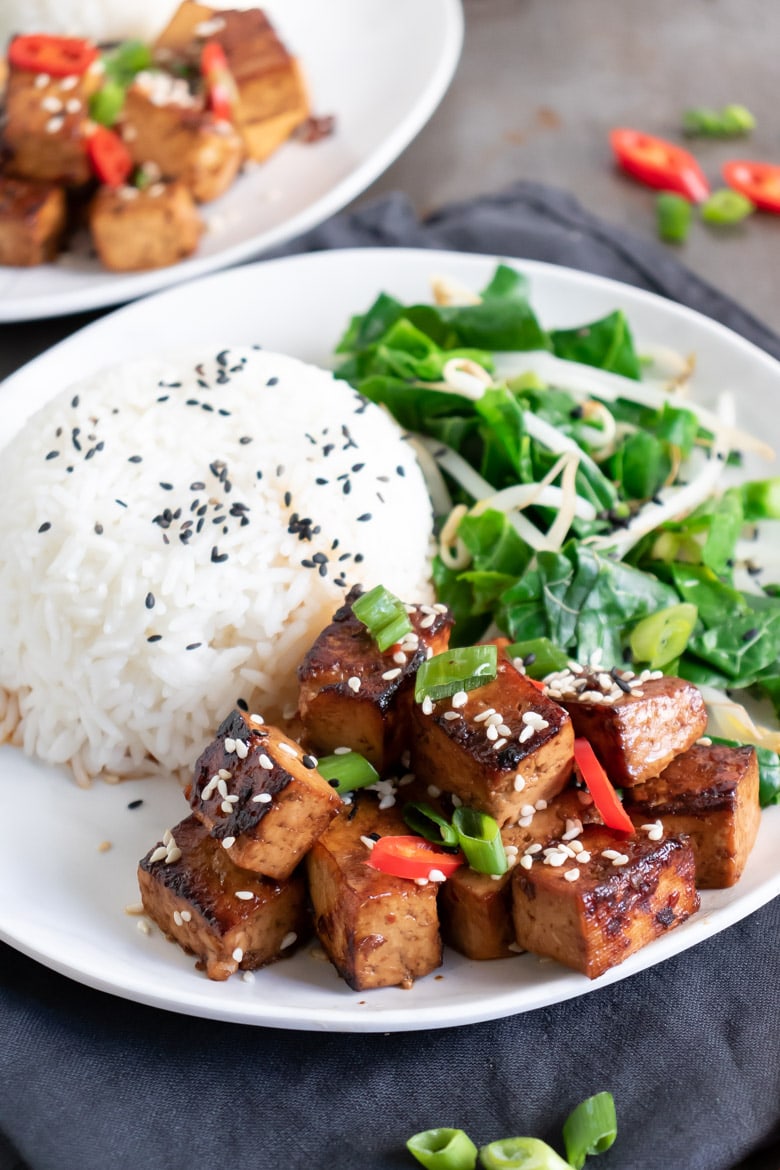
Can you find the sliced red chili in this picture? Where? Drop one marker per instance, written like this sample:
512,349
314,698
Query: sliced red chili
110,158
412,857
220,86
759,181
604,795
659,163
57,56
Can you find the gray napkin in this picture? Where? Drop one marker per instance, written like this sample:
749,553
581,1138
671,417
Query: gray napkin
690,1049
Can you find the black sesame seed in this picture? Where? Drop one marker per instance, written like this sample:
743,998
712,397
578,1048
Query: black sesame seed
74,401
308,761
272,381
203,383
400,471
321,481
199,526
203,509
242,704
163,398
121,503
207,406
358,466
135,803
319,558
345,556
197,486
245,439
326,450
259,474
346,488
52,455
45,526
222,357
135,459
323,570
217,557
280,470
365,516
308,564
358,558
287,499
224,413
334,783
750,634
193,646
154,638
149,601
192,402
166,487
99,529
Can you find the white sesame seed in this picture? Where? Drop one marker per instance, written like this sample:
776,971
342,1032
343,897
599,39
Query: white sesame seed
496,877
704,741
427,706
400,658
69,82
577,846
554,857
223,774
244,895
41,81
511,850
526,861
450,715
406,779
573,829
143,926
186,916
177,917
427,621
226,806
429,652
527,810
73,105
288,749
525,735
484,715
230,745
160,852
562,847
421,881
503,729
584,857
222,788
389,675
51,104
342,751
571,875
439,607
621,859
459,699
494,719
456,801
499,743
387,801
135,908
262,798
532,849
257,719
524,822
354,683
433,790
266,762
228,842
436,875
174,853
242,751
167,837
288,940
247,976
540,805
611,854
491,732
238,954
519,783
369,842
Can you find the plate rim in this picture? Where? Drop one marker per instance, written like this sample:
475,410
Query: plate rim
347,1017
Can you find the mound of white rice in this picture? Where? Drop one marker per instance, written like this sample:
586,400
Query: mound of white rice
175,534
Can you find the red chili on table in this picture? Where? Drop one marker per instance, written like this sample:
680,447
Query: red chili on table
412,857
604,795
659,163
57,56
109,156
759,181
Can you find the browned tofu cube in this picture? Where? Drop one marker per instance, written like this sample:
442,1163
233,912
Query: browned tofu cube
32,220
191,22
593,910
229,918
475,909
46,122
260,795
637,725
377,930
498,748
138,229
354,695
710,793
163,124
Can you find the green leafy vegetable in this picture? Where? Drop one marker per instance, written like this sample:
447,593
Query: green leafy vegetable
607,344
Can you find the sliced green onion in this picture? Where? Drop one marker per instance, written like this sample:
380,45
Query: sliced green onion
726,207
443,1149
480,839
540,656
729,122
349,769
383,615
423,819
761,499
673,217
460,669
105,105
591,1128
129,58
521,1153
661,637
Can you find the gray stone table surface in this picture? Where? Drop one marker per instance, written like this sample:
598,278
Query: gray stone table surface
538,87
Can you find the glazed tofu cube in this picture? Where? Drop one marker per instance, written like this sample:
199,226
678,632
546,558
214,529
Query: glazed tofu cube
134,230
592,911
32,220
229,918
498,748
354,695
475,909
709,793
163,124
377,930
46,121
190,24
636,726
260,795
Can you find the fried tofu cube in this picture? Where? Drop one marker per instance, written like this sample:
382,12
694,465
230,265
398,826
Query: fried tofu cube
183,28
229,918
260,795
475,909
618,894
377,930
354,695
637,726
163,124
134,229
32,221
504,746
709,793
46,122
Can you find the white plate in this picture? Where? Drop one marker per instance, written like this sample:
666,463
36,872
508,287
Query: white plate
381,68
68,898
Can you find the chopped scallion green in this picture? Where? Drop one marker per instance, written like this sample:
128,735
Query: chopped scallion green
349,769
661,637
673,216
462,669
521,1153
730,122
383,615
443,1149
540,656
726,207
480,839
591,1128
423,819
105,105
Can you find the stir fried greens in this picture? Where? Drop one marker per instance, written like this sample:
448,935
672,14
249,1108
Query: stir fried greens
576,493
